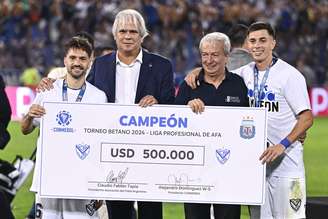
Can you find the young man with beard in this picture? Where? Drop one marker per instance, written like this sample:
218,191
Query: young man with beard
73,88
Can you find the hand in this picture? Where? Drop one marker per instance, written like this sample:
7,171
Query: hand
45,84
98,204
302,138
36,111
192,78
271,153
196,105
148,100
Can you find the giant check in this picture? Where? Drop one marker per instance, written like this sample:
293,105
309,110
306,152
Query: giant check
159,153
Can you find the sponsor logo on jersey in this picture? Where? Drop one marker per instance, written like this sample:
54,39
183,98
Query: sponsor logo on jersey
82,150
222,155
91,208
267,99
247,128
295,203
232,99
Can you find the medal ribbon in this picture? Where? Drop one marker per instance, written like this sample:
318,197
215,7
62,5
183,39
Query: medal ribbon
79,96
258,90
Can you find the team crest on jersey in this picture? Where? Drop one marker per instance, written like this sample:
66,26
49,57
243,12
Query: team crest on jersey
91,207
295,203
64,118
222,155
82,150
247,128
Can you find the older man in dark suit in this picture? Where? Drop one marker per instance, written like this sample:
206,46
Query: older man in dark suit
132,75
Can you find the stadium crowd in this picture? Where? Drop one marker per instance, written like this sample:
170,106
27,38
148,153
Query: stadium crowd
32,32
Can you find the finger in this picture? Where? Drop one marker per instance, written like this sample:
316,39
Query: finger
195,106
45,84
192,106
266,158
142,103
190,80
273,157
201,105
193,83
36,114
264,154
50,82
151,101
147,101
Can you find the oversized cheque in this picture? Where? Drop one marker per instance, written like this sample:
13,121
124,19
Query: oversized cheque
159,153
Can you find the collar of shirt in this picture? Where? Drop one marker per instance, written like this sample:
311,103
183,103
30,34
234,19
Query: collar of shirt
137,59
201,76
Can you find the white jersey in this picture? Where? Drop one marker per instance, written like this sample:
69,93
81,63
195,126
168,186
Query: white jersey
91,95
285,97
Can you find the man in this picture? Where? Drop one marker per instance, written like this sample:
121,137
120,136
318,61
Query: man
60,72
54,74
132,75
73,89
216,87
239,54
276,85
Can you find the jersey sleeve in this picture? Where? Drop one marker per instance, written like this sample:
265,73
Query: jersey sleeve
296,93
37,100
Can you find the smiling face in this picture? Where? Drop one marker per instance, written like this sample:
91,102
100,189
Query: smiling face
77,62
128,39
261,45
213,58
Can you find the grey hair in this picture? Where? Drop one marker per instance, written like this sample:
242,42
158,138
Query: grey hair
130,15
217,37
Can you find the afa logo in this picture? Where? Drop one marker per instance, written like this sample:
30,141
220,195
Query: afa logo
64,118
222,155
82,150
247,128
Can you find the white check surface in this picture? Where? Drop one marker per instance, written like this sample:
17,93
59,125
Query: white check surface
107,151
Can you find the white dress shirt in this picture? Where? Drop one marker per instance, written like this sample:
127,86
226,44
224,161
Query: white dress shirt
127,80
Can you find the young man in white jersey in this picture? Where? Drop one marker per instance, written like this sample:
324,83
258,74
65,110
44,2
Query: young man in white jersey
281,88
72,89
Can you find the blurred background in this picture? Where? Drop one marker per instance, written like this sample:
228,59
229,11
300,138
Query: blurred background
32,34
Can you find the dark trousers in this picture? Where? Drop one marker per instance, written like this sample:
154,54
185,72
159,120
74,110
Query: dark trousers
125,210
202,211
5,210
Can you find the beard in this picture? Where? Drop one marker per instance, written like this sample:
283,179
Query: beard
74,75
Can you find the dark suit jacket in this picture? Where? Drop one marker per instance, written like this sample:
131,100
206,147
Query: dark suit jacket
155,77
5,114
